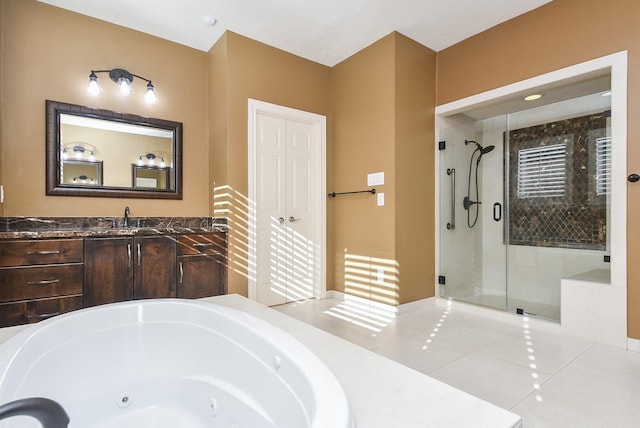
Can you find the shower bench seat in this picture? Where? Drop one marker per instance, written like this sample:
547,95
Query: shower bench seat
590,307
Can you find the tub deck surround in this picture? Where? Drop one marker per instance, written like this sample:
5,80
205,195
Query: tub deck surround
80,227
381,392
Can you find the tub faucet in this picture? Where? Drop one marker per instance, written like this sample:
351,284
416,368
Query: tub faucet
125,222
49,413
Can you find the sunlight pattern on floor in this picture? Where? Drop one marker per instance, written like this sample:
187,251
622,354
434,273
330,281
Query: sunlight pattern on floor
369,316
439,325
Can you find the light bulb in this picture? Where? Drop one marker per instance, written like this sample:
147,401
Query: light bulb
140,161
150,97
162,164
93,88
92,157
125,86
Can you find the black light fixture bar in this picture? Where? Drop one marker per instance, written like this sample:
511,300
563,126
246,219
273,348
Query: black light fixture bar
123,79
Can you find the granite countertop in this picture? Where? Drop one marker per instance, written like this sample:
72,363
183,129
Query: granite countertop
81,227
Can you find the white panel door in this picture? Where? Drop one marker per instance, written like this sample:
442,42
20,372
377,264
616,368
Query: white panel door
300,208
272,260
286,188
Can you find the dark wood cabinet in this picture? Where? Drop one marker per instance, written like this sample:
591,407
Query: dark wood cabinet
108,270
155,269
118,269
201,265
43,278
39,279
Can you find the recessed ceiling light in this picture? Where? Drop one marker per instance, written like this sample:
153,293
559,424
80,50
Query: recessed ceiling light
209,20
532,97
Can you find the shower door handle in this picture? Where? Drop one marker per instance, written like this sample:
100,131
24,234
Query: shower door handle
451,172
497,211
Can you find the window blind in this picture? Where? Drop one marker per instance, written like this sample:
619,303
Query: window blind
542,171
603,165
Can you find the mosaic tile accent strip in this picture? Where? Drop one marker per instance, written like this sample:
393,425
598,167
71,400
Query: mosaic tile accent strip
575,217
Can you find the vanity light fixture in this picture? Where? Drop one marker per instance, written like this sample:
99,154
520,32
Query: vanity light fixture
151,160
123,79
79,151
83,179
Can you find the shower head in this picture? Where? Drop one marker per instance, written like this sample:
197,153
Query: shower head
482,150
485,150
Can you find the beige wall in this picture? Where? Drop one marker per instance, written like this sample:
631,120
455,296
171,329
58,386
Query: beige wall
363,131
239,69
414,163
557,35
383,100
2,60
47,53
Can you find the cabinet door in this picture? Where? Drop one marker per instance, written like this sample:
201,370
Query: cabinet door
108,270
30,311
200,276
155,267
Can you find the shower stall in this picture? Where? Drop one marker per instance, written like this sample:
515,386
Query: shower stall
524,197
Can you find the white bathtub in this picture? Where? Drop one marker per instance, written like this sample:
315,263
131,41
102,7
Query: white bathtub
170,363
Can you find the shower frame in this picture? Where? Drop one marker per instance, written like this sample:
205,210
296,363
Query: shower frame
617,65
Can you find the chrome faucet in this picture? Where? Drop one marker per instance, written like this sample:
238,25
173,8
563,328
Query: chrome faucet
49,413
125,222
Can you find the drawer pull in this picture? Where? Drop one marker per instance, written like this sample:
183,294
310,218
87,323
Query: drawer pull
43,316
202,245
44,282
43,252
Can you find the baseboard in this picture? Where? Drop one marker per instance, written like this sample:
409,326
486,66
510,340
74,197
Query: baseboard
633,344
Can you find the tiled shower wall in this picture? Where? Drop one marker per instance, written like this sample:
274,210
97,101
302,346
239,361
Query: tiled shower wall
576,219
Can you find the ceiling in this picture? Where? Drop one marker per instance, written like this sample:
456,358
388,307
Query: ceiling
324,31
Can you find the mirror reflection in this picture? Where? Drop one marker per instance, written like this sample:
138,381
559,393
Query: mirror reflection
116,145
94,152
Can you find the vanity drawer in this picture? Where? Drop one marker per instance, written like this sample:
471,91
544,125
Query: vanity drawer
31,311
41,252
23,283
202,243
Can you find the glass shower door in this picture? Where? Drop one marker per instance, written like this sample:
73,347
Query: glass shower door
558,199
472,251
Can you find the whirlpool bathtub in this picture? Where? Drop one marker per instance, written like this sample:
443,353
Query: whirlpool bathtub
170,363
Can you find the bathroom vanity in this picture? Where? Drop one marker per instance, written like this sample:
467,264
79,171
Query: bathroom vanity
56,265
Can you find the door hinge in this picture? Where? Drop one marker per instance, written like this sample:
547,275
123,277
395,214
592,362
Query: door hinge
442,145
441,279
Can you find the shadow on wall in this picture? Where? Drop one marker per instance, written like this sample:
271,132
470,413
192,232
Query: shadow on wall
238,210
372,278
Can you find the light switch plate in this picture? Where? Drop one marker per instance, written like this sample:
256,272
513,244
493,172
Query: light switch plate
375,179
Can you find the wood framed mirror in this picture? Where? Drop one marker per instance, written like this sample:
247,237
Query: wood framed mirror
104,145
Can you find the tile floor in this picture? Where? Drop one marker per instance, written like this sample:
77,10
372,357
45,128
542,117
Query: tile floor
525,365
